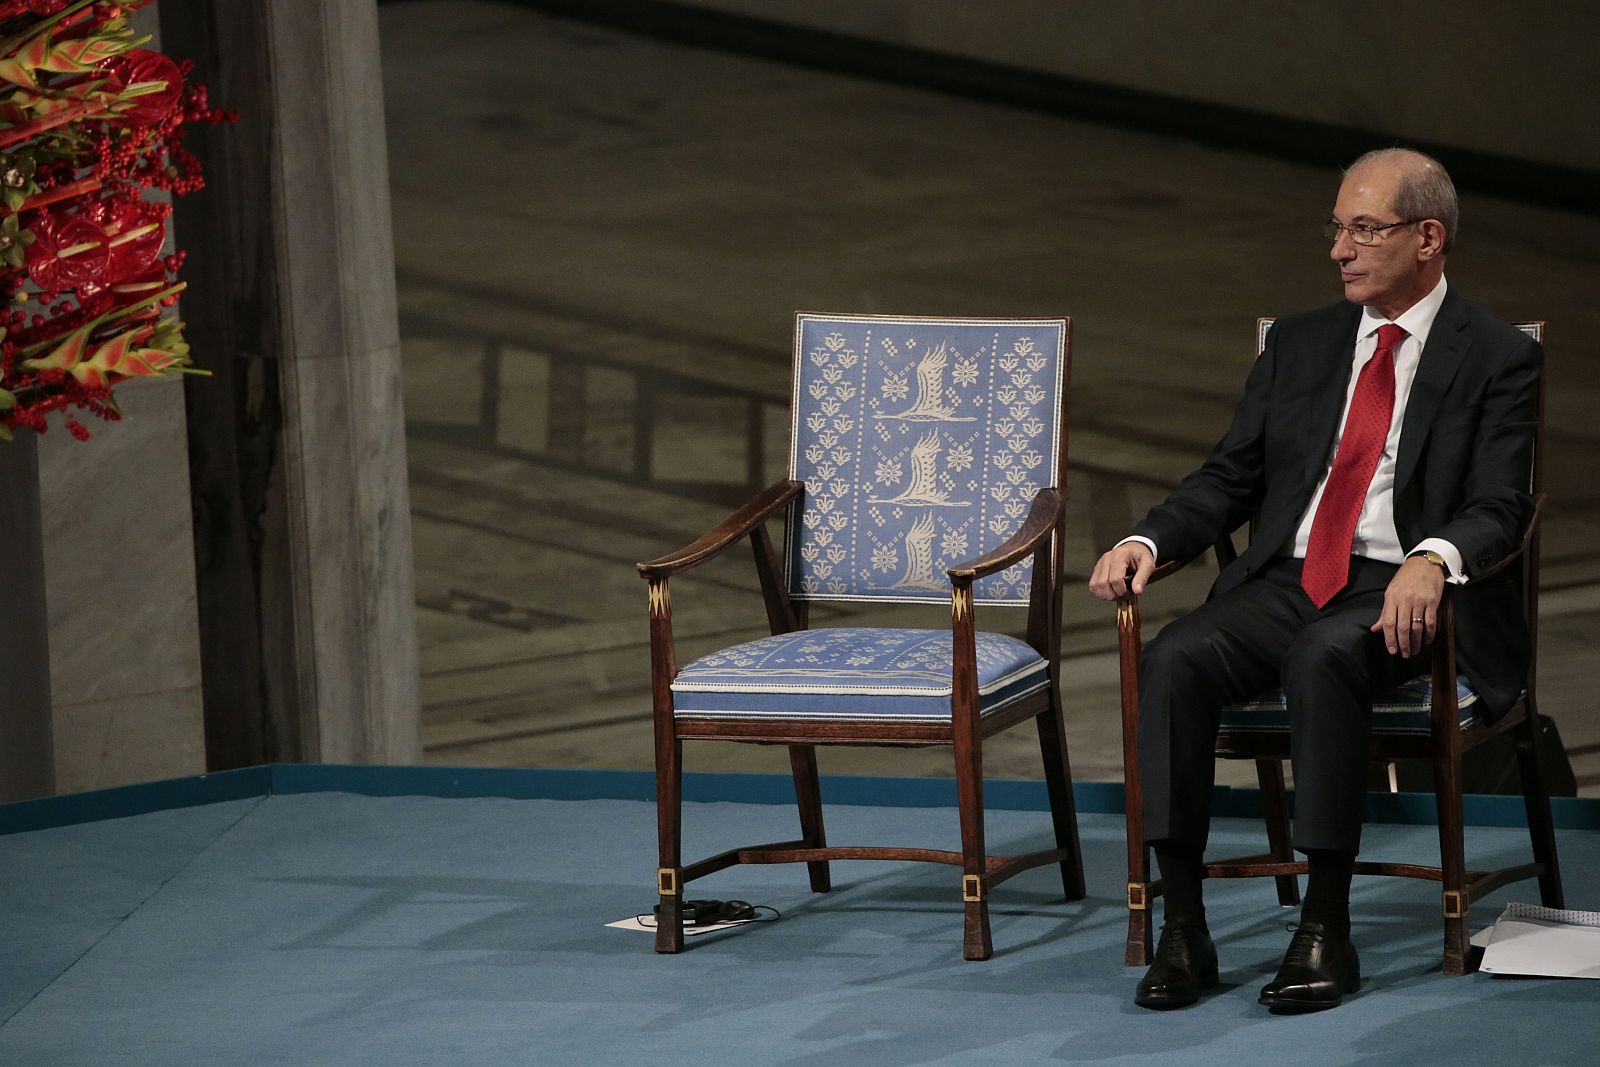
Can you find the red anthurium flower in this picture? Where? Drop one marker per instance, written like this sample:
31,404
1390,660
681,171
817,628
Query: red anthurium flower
67,252
136,232
140,66
94,298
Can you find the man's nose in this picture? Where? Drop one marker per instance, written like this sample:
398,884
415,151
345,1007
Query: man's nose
1344,249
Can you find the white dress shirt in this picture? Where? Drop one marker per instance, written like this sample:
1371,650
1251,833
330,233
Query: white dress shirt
1375,534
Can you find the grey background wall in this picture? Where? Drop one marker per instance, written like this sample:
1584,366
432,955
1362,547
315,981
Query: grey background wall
607,212
1514,79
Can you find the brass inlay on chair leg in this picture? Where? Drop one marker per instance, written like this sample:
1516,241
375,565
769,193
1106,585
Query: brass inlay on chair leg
660,599
1127,615
667,881
971,887
1138,896
1455,904
960,603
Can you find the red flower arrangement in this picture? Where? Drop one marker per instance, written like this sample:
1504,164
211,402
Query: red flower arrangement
89,123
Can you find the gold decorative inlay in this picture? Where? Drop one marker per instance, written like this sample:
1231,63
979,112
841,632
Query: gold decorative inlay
1138,896
660,599
960,602
1127,615
971,887
667,881
1455,904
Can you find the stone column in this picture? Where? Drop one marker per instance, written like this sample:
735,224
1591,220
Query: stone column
27,764
119,569
301,509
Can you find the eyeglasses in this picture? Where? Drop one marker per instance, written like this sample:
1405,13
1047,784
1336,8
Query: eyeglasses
1362,234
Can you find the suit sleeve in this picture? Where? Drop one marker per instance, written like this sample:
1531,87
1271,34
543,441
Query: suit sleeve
1496,504
1228,487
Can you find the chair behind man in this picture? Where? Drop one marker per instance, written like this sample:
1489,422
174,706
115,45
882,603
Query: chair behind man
927,464
1430,718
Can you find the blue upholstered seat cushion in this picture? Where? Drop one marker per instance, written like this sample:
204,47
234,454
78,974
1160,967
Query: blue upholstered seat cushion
858,673
1401,710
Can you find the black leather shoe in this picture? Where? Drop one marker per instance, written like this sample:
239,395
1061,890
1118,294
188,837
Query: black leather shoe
1185,966
1318,970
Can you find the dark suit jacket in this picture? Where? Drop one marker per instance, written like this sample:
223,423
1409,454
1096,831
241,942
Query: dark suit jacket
1465,453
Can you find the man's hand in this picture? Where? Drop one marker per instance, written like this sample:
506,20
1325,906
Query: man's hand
1411,607
1110,578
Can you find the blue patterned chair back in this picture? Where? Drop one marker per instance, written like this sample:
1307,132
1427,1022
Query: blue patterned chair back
921,443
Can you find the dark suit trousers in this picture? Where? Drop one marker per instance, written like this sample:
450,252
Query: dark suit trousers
1263,634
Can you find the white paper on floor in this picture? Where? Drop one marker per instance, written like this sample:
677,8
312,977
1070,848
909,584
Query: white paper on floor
633,922
1552,942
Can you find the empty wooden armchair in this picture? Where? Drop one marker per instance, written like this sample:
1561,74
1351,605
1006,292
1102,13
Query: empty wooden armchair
927,464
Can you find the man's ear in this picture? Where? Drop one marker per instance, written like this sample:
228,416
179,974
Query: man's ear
1432,239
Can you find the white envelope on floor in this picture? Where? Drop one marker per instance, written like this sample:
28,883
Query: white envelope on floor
1531,940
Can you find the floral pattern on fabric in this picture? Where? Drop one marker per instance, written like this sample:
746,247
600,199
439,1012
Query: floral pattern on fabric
922,443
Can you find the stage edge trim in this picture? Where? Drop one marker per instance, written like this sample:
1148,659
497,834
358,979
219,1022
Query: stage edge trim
1101,798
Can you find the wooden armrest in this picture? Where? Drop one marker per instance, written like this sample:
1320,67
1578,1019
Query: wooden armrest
1516,553
1041,520
1172,566
756,511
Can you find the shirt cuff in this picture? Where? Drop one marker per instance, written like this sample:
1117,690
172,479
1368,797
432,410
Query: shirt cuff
1455,573
1151,545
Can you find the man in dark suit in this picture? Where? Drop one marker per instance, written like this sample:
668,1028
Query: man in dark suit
1384,443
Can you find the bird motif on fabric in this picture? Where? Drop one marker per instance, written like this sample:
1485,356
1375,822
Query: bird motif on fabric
931,404
924,486
919,557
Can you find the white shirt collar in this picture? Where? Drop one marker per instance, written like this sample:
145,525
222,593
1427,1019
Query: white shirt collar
1416,320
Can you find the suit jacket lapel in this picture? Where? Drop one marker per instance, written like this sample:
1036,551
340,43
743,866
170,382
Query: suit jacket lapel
1448,341
1333,359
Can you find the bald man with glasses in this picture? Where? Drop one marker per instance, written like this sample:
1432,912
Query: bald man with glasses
1383,445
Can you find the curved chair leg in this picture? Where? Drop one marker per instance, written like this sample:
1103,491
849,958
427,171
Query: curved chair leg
1058,781
808,795
1269,774
1536,801
669,824
975,941
1452,857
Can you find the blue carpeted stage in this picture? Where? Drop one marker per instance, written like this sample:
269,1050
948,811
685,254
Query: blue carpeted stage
272,919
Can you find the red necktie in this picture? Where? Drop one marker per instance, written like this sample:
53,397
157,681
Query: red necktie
1366,428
